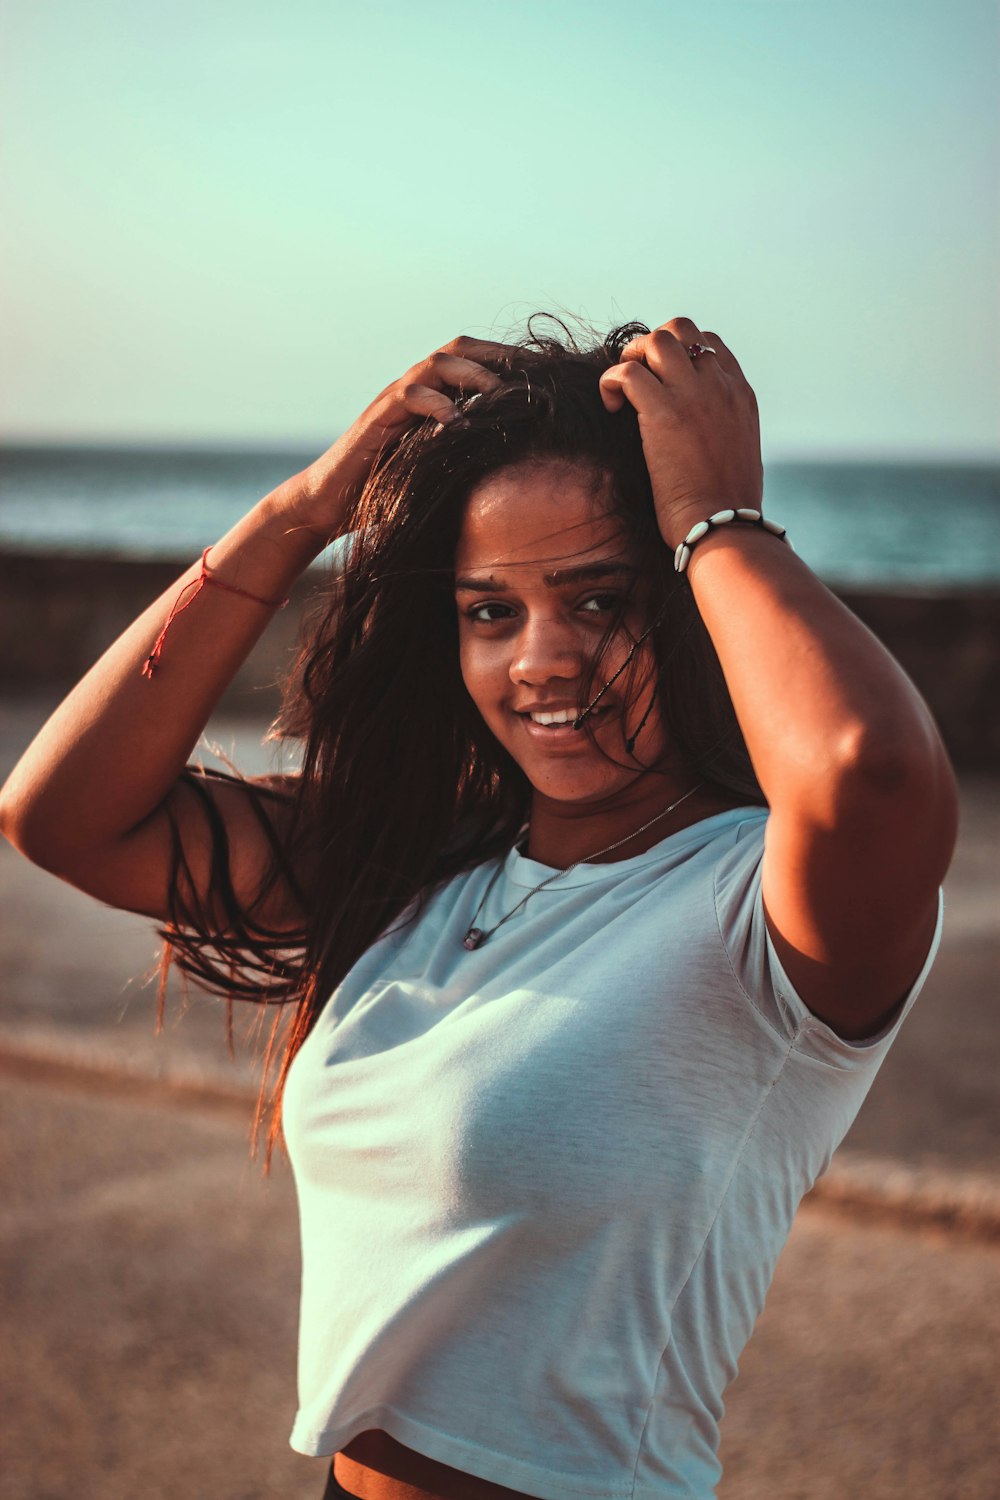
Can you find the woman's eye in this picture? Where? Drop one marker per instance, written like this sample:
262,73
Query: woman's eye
601,603
495,612
489,614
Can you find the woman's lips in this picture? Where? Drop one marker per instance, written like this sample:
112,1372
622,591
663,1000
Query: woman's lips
562,736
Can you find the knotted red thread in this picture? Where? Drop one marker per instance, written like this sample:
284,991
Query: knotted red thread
152,661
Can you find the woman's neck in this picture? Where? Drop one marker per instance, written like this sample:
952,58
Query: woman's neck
563,834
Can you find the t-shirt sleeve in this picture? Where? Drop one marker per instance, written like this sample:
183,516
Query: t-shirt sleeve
757,968
337,552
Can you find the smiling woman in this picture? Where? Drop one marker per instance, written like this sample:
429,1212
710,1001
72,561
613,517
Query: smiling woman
611,872
525,651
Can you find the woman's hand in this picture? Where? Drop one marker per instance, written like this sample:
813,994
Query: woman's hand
336,478
698,420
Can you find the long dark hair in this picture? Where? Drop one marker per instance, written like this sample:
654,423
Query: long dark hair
402,785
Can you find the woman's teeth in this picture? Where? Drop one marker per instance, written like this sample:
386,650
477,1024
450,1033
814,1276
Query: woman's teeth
563,716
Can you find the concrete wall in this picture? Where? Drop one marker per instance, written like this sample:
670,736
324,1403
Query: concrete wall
58,613
949,644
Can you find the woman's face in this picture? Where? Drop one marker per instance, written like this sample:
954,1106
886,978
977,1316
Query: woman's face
541,570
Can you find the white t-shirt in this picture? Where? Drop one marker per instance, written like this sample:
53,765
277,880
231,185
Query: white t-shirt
543,1185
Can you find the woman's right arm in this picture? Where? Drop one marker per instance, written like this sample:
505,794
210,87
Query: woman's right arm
93,796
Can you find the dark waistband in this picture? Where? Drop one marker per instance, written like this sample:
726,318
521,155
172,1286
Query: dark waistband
334,1489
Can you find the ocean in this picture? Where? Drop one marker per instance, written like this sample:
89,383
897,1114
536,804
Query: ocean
897,524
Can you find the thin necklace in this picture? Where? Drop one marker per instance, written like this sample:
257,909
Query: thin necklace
476,937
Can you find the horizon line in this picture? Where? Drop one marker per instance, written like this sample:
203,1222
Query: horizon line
791,454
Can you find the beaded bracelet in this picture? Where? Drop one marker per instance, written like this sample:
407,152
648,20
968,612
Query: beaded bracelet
682,553
152,661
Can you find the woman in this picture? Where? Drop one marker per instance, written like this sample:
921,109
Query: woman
611,871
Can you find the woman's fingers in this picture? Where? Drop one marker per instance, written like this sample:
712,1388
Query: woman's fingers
726,358
482,351
462,365
425,392
457,372
662,358
665,350
661,351
425,401
629,381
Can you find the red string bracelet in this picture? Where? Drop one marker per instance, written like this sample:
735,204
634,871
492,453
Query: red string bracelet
152,661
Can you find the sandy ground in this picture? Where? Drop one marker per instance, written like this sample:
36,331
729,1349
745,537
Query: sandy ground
149,1273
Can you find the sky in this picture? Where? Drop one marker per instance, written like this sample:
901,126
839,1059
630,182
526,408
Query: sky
237,222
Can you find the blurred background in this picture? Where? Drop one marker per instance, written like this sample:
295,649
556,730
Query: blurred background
225,228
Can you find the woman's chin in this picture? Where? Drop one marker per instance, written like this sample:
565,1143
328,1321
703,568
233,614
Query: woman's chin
565,766
598,788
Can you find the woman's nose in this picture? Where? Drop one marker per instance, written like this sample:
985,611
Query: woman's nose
546,649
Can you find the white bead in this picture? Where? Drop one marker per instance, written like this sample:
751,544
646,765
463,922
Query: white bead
773,526
681,557
722,516
745,513
698,530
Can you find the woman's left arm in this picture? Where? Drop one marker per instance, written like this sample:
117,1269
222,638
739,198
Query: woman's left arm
862,794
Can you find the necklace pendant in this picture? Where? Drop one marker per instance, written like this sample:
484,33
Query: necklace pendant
474,938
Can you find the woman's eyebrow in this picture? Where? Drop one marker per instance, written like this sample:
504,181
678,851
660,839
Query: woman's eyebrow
589,573
585,573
